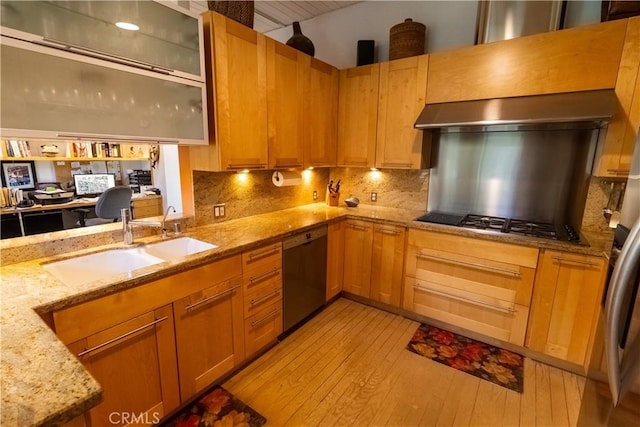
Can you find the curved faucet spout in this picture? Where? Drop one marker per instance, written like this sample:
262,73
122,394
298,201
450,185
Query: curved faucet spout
164,229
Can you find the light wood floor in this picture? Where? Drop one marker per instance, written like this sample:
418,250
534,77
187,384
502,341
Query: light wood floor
349,366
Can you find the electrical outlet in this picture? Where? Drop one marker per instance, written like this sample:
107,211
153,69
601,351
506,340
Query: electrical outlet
374,196
219,211
315,195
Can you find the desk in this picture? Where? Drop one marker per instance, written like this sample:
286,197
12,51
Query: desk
36,219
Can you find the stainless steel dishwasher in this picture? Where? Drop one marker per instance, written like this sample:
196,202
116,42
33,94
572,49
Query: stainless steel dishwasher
305,272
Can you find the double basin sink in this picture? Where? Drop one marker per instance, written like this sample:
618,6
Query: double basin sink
105,264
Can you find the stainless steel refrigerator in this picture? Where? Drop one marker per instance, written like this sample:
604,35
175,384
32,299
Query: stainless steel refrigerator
618,402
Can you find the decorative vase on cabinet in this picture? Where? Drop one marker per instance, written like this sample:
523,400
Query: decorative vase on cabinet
300,41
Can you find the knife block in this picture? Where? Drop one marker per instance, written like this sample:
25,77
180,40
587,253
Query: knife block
334,199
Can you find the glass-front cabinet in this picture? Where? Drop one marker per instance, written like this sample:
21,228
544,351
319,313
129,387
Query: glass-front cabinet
168,39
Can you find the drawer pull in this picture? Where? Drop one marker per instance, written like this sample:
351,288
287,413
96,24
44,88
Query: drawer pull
463,299
276,291
271,272
211,298
288,165
358,227
574,261
260,254
390,232
123,336
470,264
234,166
619,171
265,318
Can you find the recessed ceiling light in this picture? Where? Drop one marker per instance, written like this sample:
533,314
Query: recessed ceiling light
127,26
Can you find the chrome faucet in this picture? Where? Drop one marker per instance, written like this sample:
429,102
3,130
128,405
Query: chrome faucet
128,224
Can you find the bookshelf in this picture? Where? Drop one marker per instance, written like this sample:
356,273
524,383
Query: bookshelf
17,149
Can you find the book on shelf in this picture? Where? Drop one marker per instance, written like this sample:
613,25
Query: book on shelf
18,148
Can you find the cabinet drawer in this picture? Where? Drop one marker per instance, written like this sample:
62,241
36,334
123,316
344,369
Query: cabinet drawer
262,294
265,257
475,312
263,327
265,274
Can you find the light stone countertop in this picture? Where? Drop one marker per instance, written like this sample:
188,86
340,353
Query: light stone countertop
43,383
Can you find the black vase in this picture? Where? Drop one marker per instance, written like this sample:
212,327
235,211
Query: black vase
300,41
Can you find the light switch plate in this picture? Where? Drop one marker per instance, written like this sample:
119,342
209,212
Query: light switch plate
219,211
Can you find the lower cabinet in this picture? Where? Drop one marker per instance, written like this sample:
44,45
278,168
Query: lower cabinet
479,285
565,306
335,258
135,364
358,247
262,289
209,335
154,346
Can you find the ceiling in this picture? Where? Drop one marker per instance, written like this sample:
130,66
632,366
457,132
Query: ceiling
270,15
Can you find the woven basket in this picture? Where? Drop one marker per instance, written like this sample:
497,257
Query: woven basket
240,11
406,39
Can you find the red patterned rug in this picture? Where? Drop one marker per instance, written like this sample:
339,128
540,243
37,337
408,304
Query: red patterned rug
485,361
217,408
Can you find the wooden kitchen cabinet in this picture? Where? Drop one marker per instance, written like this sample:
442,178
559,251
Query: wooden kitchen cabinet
335,258
262,289
358,248
236,95
135,364
565,305
387,264
358,115
576,59
285,100
614,156
479,285
320,113
209,334
403,84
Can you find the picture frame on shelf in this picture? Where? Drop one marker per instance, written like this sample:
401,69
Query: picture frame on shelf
19,175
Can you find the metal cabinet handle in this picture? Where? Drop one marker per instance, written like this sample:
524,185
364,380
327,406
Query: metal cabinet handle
463,299
259,254
276,291
470,264
619,171
390,232
246,166
211,298
115,138
123,336
288,165
574,261
265,318
400,164
358,227
94,53
271,272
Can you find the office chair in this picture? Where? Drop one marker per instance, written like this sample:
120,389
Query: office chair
107,207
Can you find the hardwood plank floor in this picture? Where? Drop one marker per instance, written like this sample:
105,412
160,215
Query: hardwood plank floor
348,366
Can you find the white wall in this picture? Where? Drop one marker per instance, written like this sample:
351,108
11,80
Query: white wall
335,35
166,177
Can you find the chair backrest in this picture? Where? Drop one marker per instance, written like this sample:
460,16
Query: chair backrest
112,200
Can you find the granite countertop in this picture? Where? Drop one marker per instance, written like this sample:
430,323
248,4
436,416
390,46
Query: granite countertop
44,383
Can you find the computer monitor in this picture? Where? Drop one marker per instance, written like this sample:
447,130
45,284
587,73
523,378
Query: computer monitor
91,185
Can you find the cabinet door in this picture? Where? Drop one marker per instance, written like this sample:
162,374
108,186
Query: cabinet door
335,258
403,84
576,59
285,79
209,335
565,305
135,363
614,158
358,243
320,114
387,265
358,116
240,94
263,327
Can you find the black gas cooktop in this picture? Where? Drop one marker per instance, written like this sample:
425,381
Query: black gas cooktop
504,225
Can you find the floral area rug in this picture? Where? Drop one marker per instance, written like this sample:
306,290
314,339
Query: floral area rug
482,360
217,408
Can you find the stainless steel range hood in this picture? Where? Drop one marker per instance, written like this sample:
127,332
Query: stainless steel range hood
587,109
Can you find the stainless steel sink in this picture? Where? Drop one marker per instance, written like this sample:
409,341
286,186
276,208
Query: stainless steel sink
100,265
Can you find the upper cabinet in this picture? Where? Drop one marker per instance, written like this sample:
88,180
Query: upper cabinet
358,115
615,154
285,101
577,59
403,84
168,39
320,113
101,82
